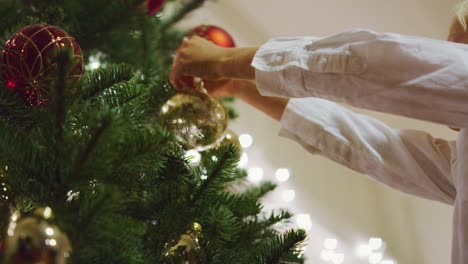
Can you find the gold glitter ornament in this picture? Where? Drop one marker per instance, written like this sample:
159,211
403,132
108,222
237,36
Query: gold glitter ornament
182,250
230,137
197,119
35,239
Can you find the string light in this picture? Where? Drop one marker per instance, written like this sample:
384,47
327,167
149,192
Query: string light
375,243
282,175
373,250
338,258
94,65
326,255
49,231
244,161
330,244
375,257
193,157
303,221
255,175
95,61
289,195
364,250
246,140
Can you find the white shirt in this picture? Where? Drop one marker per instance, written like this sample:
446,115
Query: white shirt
410,76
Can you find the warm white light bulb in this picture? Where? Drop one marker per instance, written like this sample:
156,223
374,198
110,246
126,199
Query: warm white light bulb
47,213
245,140
282,175
338,258
375,257
330,244
288,195
49,231
51,242
244,161
375,243
326,255
303,221
364,250
255,175
193,156
94,65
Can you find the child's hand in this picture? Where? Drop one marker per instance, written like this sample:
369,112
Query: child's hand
196,57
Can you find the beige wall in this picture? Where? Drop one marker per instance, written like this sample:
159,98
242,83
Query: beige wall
342,204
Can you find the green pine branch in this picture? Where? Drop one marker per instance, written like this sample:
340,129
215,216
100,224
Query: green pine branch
283,249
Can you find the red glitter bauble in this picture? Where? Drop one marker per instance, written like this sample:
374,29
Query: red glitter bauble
214,34
29,60
154,6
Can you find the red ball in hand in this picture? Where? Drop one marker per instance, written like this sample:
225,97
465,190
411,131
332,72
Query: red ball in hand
154,6
214,34
29,60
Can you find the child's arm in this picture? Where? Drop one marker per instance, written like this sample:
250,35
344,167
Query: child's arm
409,76
410,161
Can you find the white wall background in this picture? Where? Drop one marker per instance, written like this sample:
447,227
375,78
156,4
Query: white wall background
342,204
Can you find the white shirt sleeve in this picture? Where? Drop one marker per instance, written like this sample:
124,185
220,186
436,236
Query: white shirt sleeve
410,76
411,161
460,226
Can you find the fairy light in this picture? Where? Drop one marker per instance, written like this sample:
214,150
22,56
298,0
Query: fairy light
372,251
11,227
364,250
94,65
288,195
337,258
51,242
244,161
330,244
49,231
47,213
95,61
255,175
282,175
193,157
246,140
304,221
375,243
326,255
375,257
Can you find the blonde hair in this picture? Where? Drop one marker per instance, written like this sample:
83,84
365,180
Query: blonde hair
462,12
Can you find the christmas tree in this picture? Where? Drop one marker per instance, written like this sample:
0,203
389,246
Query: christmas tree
92,170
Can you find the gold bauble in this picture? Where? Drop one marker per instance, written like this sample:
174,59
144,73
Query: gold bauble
197,119
34,239
182,250
230,137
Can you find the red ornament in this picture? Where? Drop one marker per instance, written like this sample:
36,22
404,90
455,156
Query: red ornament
28,60
154,6
214,34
